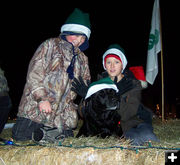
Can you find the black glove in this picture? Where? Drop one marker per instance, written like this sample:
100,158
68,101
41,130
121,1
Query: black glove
80,87
124,85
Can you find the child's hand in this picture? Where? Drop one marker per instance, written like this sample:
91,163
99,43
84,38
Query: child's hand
45,106
123,85
80,87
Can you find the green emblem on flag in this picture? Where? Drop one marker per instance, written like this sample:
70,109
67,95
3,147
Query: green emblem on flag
153,39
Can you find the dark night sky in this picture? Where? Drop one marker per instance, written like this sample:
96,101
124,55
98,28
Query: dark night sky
25,26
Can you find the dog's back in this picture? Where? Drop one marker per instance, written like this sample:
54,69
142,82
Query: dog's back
100,117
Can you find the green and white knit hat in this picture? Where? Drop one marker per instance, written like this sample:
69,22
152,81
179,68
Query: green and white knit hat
105,83
77,22
116,50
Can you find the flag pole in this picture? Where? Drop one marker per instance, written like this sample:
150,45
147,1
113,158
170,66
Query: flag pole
162,83
162,68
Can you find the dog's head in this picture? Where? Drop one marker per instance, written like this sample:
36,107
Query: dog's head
100,114
103,95
104,100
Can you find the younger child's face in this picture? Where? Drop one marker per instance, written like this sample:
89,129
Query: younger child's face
76,40
113,67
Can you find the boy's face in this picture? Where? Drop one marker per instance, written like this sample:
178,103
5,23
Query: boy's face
113,67
76,40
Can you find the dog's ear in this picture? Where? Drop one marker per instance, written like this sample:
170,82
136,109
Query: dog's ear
83,107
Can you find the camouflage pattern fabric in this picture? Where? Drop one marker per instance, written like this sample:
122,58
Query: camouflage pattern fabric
3,82
47,79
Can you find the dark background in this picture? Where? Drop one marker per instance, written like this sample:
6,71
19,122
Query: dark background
26,25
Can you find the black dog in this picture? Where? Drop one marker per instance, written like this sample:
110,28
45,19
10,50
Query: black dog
100,117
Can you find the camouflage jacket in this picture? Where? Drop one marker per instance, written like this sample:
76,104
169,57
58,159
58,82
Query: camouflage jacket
3,82
47,79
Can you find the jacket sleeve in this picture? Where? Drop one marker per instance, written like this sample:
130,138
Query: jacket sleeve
36,73
3,82
87,75
130,102
85,70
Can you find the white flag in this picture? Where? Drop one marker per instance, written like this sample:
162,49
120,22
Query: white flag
154,45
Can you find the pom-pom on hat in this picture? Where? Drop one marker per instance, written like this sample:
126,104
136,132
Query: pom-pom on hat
104,83
118,51
138,73
77,23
